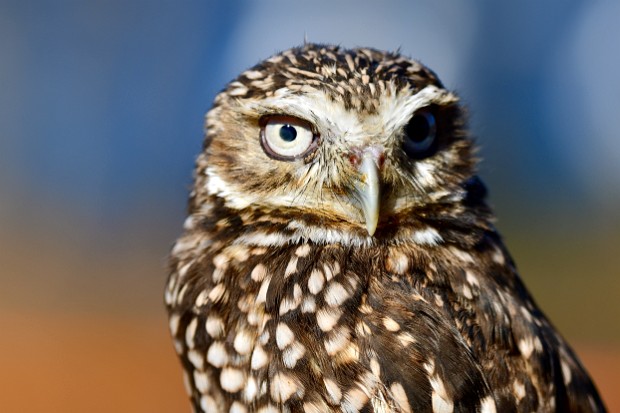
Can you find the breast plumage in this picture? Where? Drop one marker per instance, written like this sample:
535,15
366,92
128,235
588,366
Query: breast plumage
339,255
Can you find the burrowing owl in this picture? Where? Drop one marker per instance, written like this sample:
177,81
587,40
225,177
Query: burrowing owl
339,255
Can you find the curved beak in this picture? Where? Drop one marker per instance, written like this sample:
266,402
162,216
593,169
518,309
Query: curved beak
368,187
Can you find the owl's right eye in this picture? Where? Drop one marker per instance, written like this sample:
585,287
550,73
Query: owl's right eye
287,137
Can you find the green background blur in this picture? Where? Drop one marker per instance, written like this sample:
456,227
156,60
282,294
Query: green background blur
101,111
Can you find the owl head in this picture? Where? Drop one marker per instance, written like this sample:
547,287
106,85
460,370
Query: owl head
332,139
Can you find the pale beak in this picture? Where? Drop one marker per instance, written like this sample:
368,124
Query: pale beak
368,187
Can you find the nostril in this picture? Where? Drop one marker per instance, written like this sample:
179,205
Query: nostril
354,159
381,160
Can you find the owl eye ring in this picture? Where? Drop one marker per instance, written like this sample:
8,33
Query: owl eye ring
287,137
420,134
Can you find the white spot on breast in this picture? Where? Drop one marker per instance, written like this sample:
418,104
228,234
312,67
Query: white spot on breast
462,255
365,309
335,268
183,245
251,389
467,292
183,270
232,380
526,314
181,293
487,405
246,303
196,358
284,336
283,386
336,294
308,305
518,388
315,406
217,355
190,332
355,399
316,281
270,408
427,236
217,293
439,398
258,273
201,381
375,367
253,74
400,397
438,300
498,257
238,91
331,270
526,346
173,323
405,339
327,318
261,297
292,354
291,268
302,250
244,341
397,262
333,391
178,346
362,329
214,326
189,222
220,261
337,341
208,404
472,279
289,304
350,354
551,403
237,407
169,297
566,372
264,337
259,358
258,251
390,324
238,252
186,383
538,344
429,366
202,298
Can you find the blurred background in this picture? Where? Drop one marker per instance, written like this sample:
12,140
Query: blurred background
101,112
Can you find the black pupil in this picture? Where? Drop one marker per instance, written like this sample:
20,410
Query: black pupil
418,128
288,133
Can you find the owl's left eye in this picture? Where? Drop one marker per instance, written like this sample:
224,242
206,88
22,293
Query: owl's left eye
287,137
